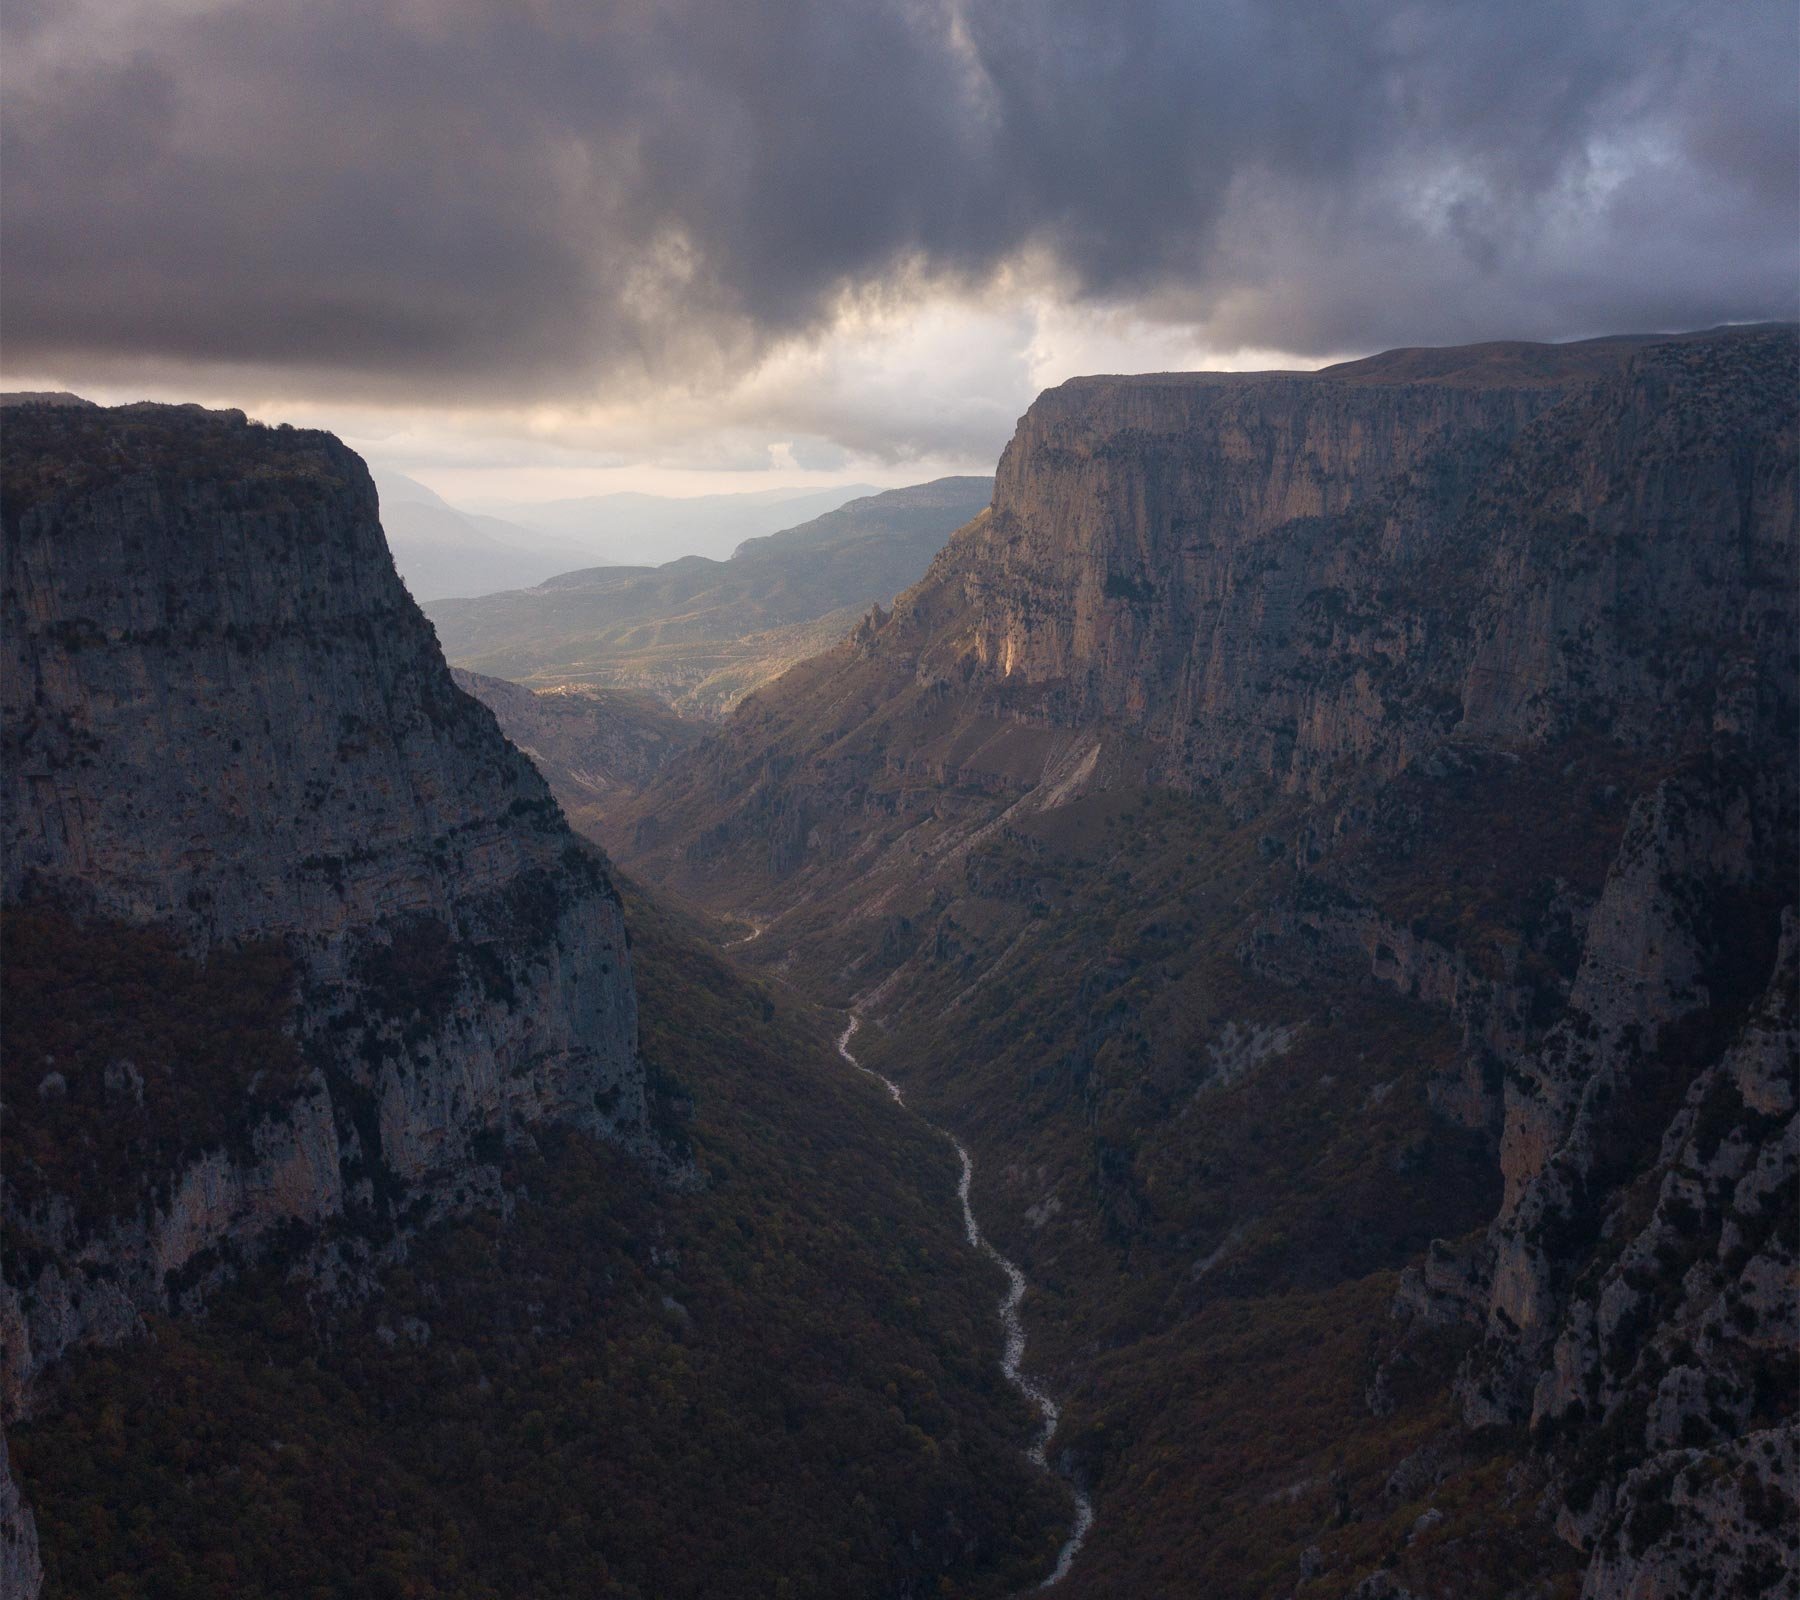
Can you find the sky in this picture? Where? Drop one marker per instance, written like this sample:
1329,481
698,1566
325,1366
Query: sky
523,249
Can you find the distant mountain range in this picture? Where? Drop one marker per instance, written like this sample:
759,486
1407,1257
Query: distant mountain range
441,550
445,551
701,634
647,530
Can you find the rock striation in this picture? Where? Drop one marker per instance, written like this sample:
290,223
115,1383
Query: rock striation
228,724
1280,576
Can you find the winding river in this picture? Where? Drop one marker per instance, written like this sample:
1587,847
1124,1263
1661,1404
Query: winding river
1012,1326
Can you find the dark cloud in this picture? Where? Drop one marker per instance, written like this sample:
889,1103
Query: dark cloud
501,198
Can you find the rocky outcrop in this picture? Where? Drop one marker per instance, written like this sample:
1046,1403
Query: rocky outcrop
225,719
1650,941
1695,1524
1672,1356
1637,1290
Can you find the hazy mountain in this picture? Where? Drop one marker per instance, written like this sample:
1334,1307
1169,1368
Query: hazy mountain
701,634
648,529
443,551
1327,841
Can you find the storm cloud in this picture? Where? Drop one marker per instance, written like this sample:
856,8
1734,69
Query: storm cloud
504,199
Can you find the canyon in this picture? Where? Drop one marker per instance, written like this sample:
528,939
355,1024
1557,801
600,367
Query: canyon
1012,1360
1309,866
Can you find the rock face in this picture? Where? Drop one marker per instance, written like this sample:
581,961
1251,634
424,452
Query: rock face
1310,583
1495,650
21,1568
226,721
1278,576
1153,543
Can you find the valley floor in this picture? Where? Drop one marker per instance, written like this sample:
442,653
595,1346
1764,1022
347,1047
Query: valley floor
1216,1176
1012,1326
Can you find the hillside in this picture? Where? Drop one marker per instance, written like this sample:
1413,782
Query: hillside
700,634
597,748
784,1376
1325,841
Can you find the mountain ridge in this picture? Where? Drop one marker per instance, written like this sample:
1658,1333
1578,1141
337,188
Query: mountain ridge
636,525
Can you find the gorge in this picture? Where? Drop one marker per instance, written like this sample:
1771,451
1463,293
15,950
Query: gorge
1314,852
917,800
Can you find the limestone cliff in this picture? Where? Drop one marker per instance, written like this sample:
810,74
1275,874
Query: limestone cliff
1277,576
1310,583
228,726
